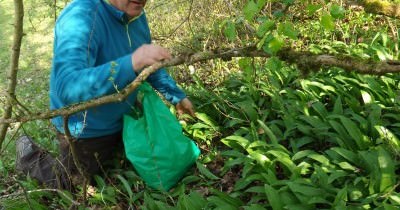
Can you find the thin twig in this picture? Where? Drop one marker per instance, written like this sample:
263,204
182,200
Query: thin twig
3,149
185,20
25,193
75,157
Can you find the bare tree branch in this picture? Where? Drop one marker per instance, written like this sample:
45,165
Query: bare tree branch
304,60
12,73
75,158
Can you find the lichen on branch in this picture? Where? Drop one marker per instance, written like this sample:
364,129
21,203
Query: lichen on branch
381,7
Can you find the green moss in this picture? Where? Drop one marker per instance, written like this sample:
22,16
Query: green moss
378,6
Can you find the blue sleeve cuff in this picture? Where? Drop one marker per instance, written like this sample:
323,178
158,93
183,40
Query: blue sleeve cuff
164,83
126,71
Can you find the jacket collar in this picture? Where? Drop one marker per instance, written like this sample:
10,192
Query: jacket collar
118,13
114,11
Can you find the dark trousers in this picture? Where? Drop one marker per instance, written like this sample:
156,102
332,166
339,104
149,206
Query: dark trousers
61,172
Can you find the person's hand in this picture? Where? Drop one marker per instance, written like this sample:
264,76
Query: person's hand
147,55
185,106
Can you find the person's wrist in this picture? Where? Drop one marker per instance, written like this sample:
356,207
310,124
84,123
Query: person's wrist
135,65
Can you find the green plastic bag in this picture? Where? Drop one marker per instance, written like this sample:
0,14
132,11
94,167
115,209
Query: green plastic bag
154,142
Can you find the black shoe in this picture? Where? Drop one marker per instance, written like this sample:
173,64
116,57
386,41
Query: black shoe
24,149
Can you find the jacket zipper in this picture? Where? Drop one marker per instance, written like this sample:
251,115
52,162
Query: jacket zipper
127,28
127,33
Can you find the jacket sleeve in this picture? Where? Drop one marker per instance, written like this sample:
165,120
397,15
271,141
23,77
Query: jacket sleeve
164,83
75,78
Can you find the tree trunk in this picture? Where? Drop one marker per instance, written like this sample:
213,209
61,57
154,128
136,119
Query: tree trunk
12,72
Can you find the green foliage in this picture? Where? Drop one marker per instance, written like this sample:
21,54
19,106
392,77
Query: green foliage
312,143
271,138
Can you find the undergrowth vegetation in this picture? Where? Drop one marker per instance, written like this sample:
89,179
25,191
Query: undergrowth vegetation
272,137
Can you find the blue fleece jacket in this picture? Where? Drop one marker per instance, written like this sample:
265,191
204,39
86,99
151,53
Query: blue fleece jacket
92,57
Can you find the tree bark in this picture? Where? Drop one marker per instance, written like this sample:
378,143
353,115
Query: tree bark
12,72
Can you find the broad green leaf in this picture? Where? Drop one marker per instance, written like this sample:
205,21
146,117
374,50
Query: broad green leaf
230,31
248,108
274,45
261,159
320,158
254,207
395,198
388,206
343,136
256,189
274,64
314,121
287,197
387,170
346,154
266,26
288,1
305,189
299,206
338,107
270,134
341,198
337,11
192,201
318,200
203,170
285,160
245,181
258,144
243,142
346,166
361,141
206,119
100,181
327,22
261,3
233,162
302,154
336,175
287,29
367,98
320,109
235,202
250,10
389,137
246,65
273,197
313,8
190,179
126,185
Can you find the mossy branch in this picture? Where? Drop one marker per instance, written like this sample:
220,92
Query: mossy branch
304,60
381,7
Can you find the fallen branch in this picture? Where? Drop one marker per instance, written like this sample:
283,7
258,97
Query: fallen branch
305,61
